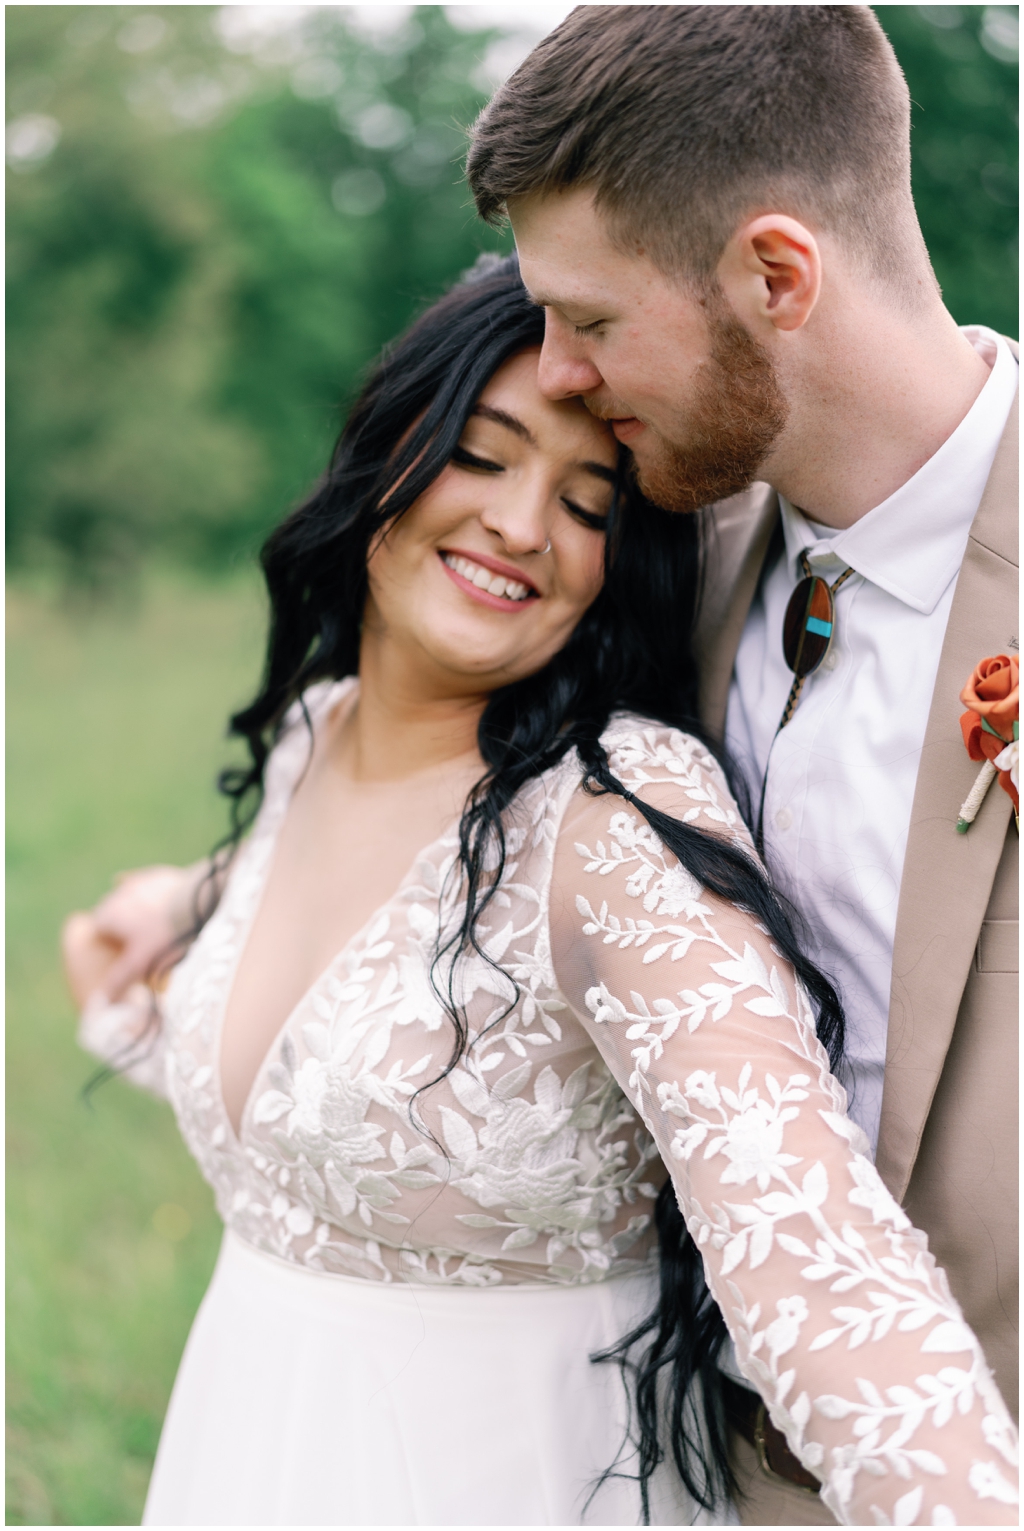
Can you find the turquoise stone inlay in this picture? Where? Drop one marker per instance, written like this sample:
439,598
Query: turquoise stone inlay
816,625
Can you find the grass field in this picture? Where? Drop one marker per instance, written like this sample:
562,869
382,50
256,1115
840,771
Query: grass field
115,731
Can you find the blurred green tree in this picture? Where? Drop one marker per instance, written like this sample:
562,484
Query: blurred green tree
213,229
961,65
210,237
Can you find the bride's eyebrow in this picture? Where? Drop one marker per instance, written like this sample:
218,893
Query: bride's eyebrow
599,470
513,423
510,422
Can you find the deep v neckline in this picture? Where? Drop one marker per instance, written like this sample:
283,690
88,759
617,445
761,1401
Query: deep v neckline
248,921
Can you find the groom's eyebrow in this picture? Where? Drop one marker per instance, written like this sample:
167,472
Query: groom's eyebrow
517,426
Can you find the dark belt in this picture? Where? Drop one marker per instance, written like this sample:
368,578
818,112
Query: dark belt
746,1413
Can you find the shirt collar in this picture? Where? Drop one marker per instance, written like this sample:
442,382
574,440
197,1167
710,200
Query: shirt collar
912,544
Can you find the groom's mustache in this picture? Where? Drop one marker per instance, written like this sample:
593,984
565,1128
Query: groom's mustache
609,412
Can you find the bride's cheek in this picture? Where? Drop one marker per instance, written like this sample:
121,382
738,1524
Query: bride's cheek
595,570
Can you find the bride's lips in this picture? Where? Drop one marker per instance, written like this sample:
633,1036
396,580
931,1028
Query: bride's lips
627,429
484,561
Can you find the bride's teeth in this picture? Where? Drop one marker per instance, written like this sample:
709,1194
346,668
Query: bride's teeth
494,584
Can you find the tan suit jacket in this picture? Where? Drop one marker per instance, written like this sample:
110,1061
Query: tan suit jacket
947,1145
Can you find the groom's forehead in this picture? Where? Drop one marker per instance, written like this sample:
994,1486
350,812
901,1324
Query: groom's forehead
566,253
554,286
559,220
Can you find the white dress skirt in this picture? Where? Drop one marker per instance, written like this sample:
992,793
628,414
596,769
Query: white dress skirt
316,1400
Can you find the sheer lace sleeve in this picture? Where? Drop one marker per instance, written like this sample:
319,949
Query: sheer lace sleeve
128,1037
840,1318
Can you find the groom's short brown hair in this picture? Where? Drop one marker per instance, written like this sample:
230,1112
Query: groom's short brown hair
686,119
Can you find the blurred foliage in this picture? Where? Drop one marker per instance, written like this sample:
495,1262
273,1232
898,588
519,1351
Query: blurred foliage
213,230
227,229
961,65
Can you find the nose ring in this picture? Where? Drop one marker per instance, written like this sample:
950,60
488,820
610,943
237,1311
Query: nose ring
547,546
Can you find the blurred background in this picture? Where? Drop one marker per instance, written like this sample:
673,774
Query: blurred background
216,217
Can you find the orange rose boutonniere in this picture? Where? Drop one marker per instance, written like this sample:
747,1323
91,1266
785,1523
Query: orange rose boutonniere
991,730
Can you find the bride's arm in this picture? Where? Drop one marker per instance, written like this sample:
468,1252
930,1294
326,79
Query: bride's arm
133,935
118,956
839,1316
121,941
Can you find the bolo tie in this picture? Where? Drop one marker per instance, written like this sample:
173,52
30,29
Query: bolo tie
807,630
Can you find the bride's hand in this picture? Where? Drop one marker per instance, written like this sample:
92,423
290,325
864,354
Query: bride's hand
123,939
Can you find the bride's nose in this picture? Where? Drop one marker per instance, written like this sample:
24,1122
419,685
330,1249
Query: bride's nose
522,518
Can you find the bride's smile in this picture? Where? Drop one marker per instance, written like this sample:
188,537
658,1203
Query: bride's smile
486,580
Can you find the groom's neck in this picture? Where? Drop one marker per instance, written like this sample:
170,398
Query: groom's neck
873,393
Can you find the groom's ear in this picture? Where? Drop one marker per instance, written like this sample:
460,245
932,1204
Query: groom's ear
770,273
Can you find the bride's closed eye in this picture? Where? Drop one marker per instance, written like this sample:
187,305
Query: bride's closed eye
465,459
590,518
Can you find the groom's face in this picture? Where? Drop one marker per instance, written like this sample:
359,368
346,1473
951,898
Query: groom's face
684,385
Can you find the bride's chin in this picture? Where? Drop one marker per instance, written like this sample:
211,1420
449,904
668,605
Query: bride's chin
486,676
459,648
476,671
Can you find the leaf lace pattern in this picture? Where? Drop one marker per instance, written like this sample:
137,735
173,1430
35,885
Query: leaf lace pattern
626,1021
839,1316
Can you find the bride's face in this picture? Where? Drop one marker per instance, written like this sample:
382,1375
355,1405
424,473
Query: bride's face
484,578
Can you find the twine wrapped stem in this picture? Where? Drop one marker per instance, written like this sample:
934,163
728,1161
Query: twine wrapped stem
974,799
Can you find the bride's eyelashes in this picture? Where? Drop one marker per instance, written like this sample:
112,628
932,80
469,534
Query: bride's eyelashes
597,523
463,458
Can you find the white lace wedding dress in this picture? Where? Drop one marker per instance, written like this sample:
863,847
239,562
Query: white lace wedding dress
399,1326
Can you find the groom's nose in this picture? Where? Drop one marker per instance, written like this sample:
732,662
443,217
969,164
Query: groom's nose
562,371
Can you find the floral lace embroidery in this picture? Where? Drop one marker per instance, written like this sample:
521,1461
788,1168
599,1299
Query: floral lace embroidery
536,1170
739,1122
671,1037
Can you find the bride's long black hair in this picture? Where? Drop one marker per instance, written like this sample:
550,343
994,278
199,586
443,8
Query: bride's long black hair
631,650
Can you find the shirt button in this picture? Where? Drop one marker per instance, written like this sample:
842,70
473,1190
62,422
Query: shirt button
831,659
783,819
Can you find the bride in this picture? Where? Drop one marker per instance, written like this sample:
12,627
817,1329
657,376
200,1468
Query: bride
494,960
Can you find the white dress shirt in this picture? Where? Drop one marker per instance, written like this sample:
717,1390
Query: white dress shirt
842,772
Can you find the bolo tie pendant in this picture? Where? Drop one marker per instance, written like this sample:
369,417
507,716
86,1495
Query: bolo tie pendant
807,632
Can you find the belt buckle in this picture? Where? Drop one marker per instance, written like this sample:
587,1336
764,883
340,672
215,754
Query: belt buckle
761,1447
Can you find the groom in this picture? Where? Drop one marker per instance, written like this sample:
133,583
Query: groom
713,205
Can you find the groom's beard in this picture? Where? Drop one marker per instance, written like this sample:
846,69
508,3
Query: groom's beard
738,412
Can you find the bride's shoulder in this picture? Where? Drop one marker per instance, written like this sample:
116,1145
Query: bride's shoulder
314,706
299,728
642,749
673,769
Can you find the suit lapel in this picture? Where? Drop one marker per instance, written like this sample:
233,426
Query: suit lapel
947,878
738,533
